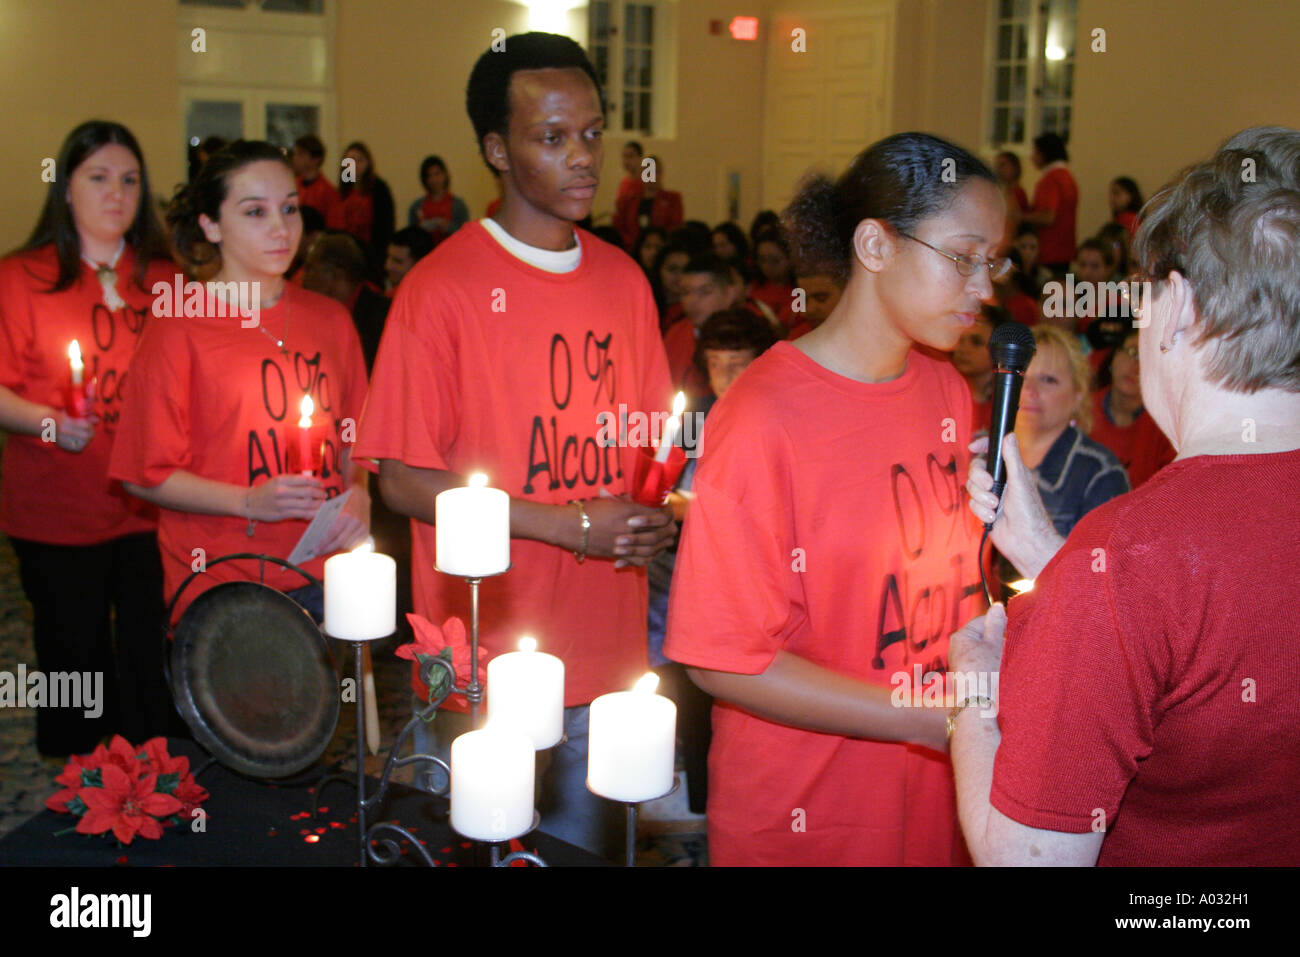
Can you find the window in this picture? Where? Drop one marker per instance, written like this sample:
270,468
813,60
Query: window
271,6
1032,78
626,43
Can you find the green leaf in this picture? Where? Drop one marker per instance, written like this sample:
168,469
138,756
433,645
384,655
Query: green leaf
92,778
167,783
77,806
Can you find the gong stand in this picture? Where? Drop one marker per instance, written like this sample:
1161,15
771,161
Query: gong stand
382,834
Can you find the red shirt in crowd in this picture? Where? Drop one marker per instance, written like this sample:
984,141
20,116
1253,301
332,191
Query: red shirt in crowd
222,401
776,296
1141,447
1147,682
49,495
1023,309
679,344
490,364
1129,220
357,211
829,522
665,212
1056,190
321,195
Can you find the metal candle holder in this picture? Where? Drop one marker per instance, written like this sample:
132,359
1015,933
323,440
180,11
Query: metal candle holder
383,833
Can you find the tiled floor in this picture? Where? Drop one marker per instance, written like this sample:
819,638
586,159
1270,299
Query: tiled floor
26,779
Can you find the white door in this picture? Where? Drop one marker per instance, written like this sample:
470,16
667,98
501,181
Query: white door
828,92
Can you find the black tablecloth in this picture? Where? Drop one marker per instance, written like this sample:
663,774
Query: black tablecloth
263,824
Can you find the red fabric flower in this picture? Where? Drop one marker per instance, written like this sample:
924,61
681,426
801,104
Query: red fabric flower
451,639
126,805
191,795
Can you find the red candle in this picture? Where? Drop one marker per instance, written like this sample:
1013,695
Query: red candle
308,441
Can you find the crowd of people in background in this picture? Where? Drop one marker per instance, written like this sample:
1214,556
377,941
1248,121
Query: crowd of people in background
174,459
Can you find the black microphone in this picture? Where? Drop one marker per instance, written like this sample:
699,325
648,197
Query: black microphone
1012,348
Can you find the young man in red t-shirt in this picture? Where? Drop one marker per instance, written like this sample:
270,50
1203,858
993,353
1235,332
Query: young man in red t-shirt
315,190
1056,203
504,350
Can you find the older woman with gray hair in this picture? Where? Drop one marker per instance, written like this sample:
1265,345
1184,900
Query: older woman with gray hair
1146,714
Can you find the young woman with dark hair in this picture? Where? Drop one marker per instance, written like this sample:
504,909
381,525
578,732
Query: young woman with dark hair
215,400
438,211
826,556
367,205
87,552
1125,202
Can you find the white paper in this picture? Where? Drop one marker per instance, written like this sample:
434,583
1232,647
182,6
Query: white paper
307,546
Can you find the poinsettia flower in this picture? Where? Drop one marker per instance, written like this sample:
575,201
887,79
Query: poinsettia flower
191,794
432,641
72,772
59,800
126,805
121,754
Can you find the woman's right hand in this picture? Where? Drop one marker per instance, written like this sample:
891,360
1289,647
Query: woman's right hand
284,497
73,434
1022,529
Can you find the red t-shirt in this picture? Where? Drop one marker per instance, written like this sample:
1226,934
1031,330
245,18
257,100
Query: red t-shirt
321,195
1141,447
1057,190
1023,309
358,214
49,495
438,209
222,401
679,343
490,364
1160,692
776,296
1129,220
829,522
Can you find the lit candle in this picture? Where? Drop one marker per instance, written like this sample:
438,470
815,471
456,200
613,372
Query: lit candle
472,529
75,363
306,460
526,692
671,428
631,744
492,784
360,595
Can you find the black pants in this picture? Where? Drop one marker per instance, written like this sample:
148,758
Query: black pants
99,608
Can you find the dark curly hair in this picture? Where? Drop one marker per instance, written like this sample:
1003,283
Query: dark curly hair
206,194
733,329
487,95
900,179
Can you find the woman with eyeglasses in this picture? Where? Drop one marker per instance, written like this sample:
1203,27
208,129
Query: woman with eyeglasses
1119,421
1146,714
828,555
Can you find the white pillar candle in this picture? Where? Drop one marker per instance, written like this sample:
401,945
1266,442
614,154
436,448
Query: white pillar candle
492,784
631,744
360,595
472,527
526,692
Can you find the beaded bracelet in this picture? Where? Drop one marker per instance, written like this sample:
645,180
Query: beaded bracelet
982,700
581,555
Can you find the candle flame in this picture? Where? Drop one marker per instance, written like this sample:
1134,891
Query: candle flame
1022,586
367,546
478,480
679,404
306,407
527,644
74,353
647,683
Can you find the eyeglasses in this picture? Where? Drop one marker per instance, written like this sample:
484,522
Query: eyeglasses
969,265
